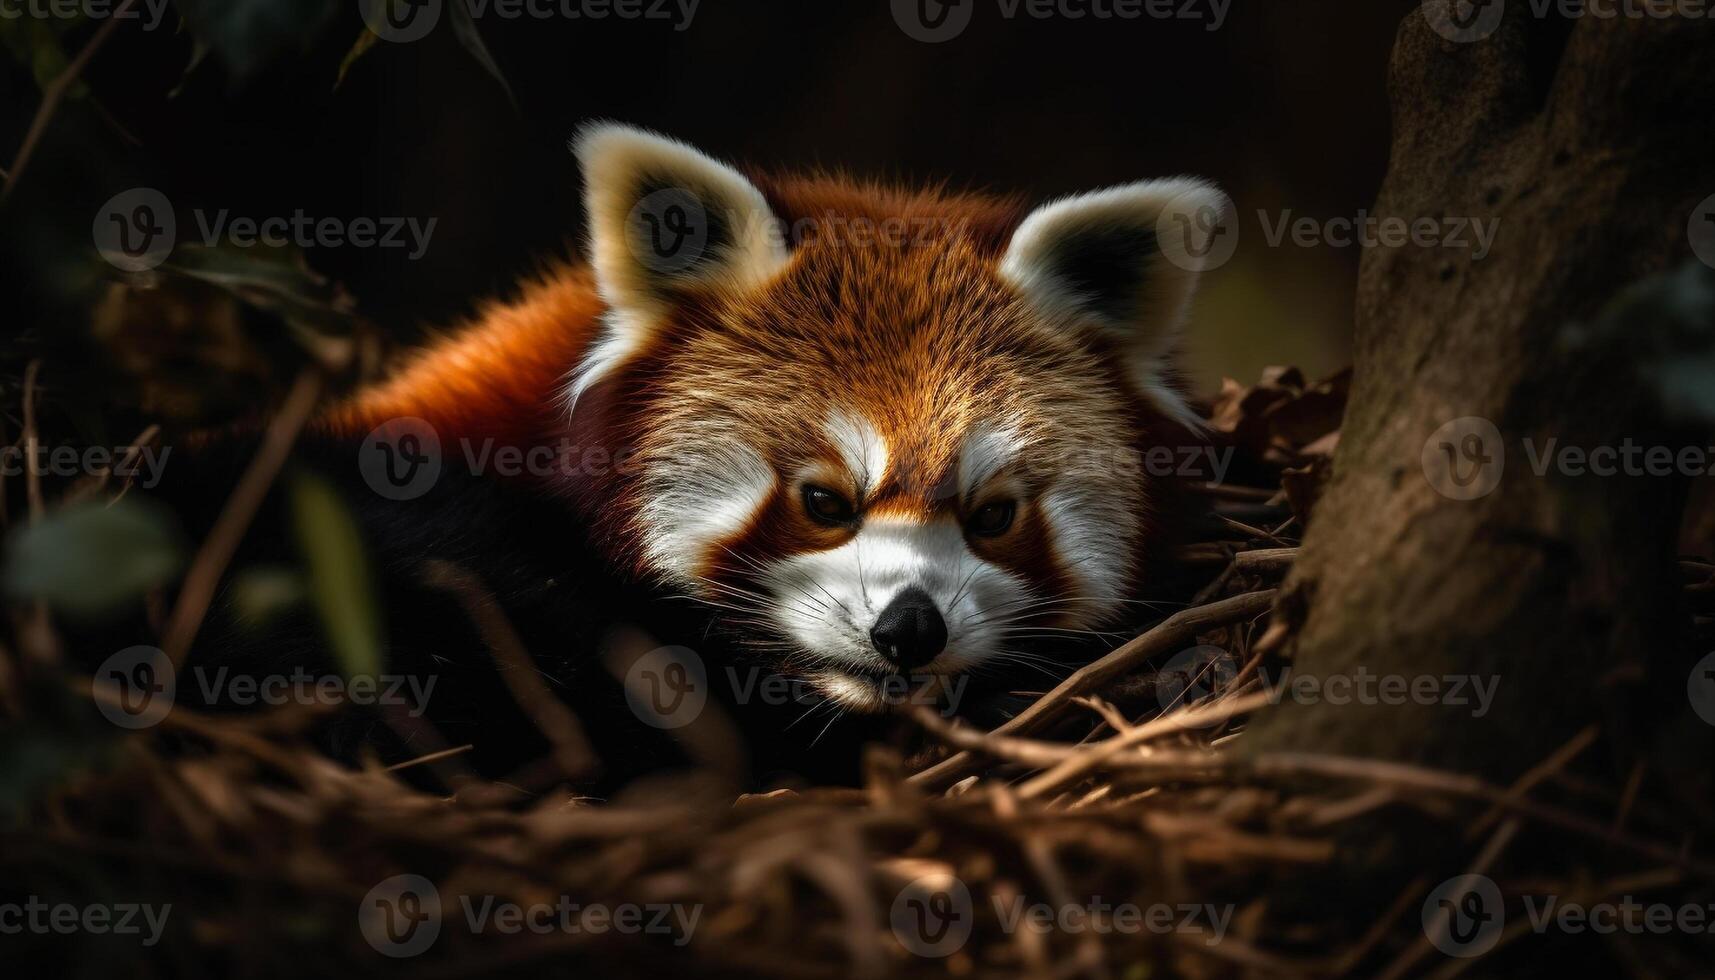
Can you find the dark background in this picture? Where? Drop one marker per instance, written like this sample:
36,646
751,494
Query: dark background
1284,106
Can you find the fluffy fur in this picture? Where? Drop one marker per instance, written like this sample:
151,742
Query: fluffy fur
921,354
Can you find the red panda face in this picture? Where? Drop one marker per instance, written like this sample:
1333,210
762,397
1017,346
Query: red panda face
888,434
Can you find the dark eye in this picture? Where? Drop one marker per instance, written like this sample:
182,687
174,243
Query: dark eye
991,520
827,506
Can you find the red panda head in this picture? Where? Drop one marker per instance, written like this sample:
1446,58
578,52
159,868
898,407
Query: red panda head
891,432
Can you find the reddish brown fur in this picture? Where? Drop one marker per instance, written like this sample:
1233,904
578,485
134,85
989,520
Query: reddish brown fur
920,335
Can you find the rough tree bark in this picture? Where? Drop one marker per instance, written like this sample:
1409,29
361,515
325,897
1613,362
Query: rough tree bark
1591,143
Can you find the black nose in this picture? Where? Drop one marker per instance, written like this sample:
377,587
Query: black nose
910,631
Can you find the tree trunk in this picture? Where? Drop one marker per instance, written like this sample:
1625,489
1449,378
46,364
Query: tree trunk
1590,143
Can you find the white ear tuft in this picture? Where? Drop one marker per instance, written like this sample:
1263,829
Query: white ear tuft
1125,260
665,218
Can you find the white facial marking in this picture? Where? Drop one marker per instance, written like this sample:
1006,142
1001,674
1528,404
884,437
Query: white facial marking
827,602
1090,531
621,336
696,501
861,448
986,451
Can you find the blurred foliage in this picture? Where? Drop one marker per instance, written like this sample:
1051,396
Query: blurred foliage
1666,326
249,35
340,586
39,43
92,558
263,593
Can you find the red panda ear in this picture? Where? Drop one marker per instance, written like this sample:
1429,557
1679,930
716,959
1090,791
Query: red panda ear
1125,260
664,219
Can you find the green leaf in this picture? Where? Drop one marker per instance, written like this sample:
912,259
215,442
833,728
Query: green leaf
249,35
264,592
274,279
91,559
1663,327
199,54
340,585
464,28
36,758
365,41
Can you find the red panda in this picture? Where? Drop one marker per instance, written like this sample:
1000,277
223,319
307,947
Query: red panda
883,431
